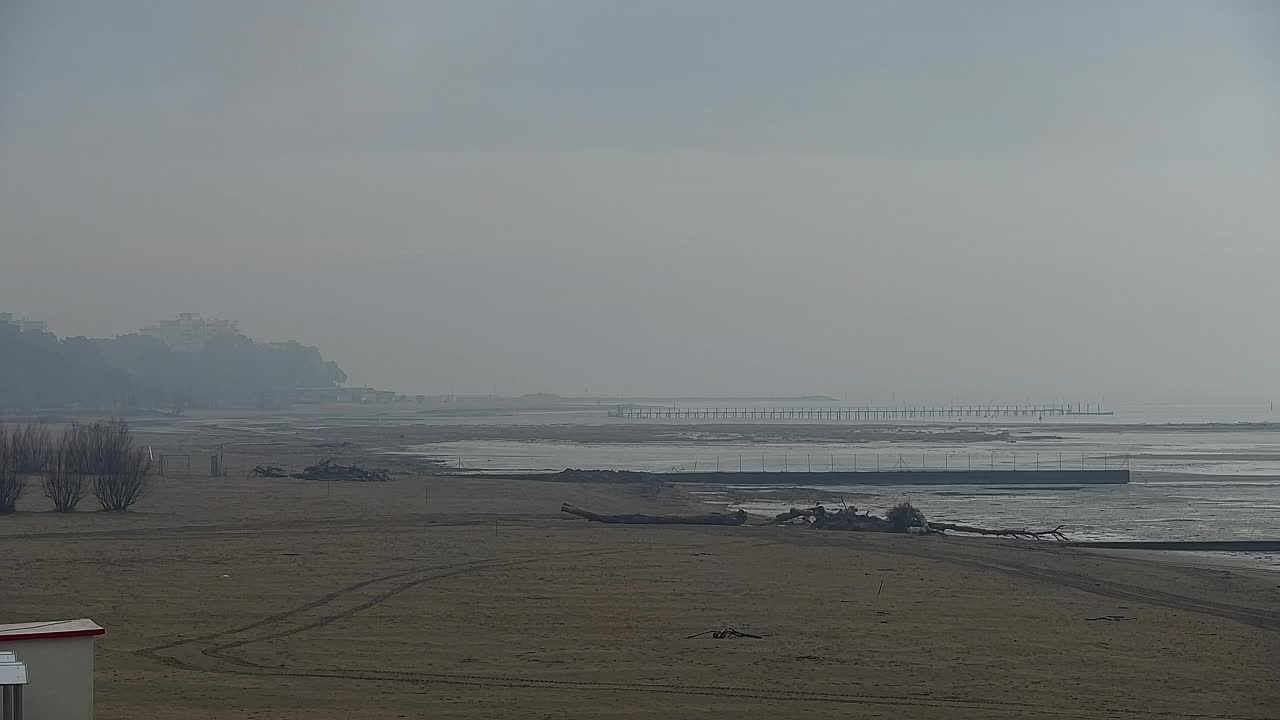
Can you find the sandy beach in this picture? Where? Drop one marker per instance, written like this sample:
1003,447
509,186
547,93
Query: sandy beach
434,596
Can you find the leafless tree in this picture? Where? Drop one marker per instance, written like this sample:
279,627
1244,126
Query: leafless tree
124,484
12,482
65,481
120,470
32,447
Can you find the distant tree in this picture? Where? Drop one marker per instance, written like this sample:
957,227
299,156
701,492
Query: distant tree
119,469
12,482
38,370
65,481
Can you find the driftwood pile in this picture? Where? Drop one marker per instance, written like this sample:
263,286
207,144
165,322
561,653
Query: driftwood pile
330,470
902,518
326,470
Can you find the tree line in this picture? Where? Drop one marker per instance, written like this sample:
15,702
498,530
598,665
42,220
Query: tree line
39,370
100,458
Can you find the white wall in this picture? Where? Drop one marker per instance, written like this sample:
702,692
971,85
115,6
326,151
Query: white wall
59,677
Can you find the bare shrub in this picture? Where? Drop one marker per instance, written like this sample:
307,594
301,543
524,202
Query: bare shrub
125,484
32,448
65,481
12,483
119,469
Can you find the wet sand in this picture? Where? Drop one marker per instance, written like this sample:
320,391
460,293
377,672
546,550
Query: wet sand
440,597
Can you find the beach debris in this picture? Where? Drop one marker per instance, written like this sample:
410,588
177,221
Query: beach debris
1020,533
1107,618
736,518
725,633
900,519
330,470
269,471
903,518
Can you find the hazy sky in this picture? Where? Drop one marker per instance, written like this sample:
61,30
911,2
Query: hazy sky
969,199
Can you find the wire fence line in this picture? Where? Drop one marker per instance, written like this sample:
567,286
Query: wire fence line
872,462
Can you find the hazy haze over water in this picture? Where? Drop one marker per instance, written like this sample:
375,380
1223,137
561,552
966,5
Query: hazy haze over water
983,199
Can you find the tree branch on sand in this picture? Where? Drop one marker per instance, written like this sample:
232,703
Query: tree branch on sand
736,518
1022,533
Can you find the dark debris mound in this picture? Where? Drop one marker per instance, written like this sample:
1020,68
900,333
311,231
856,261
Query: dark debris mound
330,470
900,519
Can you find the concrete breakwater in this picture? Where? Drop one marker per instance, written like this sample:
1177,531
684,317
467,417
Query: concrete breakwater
821,478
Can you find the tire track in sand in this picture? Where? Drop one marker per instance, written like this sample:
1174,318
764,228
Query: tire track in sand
211,653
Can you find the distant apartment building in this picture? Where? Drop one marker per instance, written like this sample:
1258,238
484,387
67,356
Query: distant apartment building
6,318
189,331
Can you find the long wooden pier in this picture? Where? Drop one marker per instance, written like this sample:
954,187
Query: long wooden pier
661,412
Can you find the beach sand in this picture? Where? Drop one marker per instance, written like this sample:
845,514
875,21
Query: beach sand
441,597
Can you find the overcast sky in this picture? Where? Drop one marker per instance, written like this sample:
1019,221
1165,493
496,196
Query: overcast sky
963,199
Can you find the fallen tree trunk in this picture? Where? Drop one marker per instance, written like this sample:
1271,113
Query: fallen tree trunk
1055,533
639,519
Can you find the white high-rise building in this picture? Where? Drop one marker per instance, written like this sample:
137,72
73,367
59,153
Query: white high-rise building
189,331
